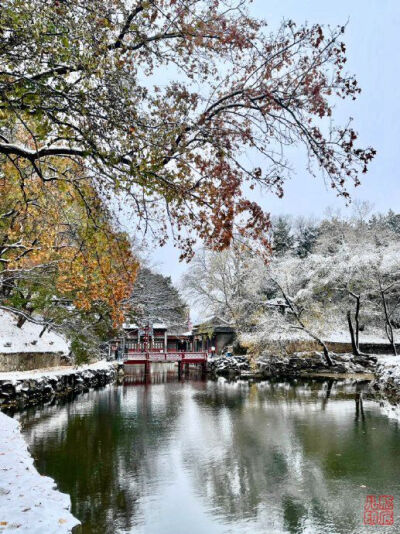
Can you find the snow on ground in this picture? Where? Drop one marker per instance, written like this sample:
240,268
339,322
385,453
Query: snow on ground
343,336
26,338
29,502
13,376
338,336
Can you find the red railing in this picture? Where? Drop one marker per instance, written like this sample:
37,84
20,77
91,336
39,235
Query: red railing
175,356
154,350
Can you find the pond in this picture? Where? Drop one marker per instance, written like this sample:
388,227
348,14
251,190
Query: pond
218,457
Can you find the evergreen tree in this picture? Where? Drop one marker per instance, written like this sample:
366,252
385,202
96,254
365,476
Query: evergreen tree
282,237
393,221
155,299
307,236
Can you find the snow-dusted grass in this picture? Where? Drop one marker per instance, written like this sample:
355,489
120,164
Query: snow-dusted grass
29,502
293,335
26,338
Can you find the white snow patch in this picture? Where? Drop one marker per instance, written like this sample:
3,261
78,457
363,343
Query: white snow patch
343,336
29,502
26,338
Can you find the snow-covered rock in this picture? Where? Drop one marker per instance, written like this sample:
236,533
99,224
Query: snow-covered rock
228,365
29,502
297,364
303,363
26,338
21,388
387,378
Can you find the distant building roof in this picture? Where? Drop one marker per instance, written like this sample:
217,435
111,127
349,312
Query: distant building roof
133,326
213,320
216,324
129,326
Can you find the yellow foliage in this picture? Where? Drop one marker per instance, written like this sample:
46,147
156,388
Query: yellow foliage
62,227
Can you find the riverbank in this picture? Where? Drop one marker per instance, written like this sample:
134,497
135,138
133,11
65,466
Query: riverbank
299,364
26,388
29,502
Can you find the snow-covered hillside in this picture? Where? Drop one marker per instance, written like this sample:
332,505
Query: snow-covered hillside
26,338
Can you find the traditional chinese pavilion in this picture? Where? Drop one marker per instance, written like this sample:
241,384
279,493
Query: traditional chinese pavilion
214,334
155,338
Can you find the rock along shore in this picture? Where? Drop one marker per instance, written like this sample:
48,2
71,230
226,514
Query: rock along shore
386,385
26,388
296,365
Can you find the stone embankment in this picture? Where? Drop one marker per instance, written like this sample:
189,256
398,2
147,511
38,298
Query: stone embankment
18,389
297,364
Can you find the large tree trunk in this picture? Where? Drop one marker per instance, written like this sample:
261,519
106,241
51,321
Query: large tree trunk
355,328
325,350
354,338
326,353
357,321
388,323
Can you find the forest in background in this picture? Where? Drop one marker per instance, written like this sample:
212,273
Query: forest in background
336,279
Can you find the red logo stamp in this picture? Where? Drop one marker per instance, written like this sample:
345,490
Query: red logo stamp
378,510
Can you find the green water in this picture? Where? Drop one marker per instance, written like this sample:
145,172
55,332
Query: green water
204,457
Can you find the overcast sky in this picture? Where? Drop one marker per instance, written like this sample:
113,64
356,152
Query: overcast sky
373,45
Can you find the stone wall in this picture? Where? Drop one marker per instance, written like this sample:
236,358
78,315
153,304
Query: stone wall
30,388
378,348
27,361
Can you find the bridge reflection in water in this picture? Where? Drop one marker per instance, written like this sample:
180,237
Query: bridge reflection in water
159,373
176,364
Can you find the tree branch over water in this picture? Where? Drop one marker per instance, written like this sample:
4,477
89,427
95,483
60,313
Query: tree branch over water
78,81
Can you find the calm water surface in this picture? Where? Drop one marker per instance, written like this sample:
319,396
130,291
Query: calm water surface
204,457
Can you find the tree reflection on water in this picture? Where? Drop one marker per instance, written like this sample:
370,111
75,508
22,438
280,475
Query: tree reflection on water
216,457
